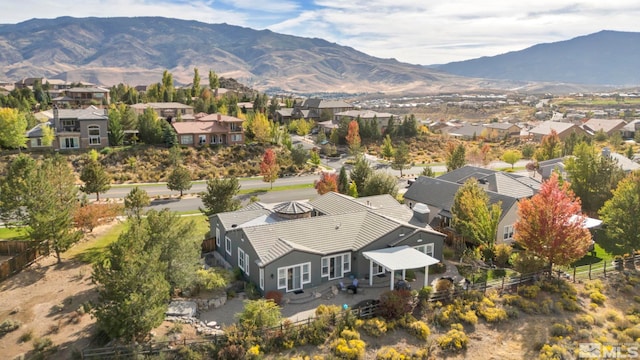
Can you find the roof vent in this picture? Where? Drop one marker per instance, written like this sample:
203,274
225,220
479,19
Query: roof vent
234,226
338,226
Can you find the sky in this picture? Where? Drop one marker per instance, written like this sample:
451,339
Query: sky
414,31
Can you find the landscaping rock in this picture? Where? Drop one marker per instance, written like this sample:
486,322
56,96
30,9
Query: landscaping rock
182,309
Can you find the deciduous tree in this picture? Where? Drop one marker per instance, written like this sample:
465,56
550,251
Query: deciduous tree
455,156
387,147
400,157
95,179
259,314
353,137
269,168
551,224
179,179
620,214
328,182
511,157
379,183
13,127
474,217
116,130
220,196
89,216
550,147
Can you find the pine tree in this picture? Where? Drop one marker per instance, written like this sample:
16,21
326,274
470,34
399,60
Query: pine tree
179,180
95,179
360,172
456,157
15,190
343,181
219,196
135,202
387,147
400,157
195,87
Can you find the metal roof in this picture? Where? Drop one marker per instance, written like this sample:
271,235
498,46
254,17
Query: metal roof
400,258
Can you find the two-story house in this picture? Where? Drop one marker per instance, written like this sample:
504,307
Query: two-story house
169,111
79,97
319,109
73,129
212,129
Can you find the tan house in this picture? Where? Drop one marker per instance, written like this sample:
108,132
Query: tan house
319,109
166,110
561,128
504,130
73,129
78,97
608,126
213,129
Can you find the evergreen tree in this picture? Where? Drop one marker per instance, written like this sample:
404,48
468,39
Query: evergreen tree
456,157
379,183
135,202
387,147
343,181
179,180
116,131
15,190
299,155
375,128
391,127
400,157
219,196
95,179
360,173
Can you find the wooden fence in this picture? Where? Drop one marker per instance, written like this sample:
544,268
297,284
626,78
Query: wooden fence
22,254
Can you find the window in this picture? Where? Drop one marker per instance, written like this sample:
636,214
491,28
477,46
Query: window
216,139
377,269
241,263
261,278
336,266
227,243
508,232
94,134
202,139
236,137
186,139
69,143
37,142
217,237
294,277
67,124
426,249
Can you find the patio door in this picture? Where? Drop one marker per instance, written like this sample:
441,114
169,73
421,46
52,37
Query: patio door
294,278
335,267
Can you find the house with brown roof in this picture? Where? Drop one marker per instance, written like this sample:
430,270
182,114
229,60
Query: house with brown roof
78,97
504,129
73,129
319,109
169,111
608,126
213,129
563,130
281,247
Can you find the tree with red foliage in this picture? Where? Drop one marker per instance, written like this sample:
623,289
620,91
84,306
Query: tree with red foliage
269,168
353,137
551,224
328,182
89,216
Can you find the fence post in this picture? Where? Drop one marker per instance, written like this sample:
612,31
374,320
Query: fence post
589,271
605,269
502,287
574,274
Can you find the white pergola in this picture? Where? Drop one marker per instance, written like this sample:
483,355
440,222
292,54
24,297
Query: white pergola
399,258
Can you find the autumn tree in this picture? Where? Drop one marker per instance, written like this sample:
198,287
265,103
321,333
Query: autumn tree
387,147
456,156
328,182
220,196
95,179
269,167
551,225
550,147
13,127
179,179
343,181
474,217
261,128
620,214
135,202
401,157
360,172
592,176
380,183
89,216
511,157
353,137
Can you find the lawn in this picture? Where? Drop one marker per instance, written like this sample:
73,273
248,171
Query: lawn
15,233
94,250
596,258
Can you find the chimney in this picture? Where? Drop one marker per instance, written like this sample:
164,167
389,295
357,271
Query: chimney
421,213
219,117
56,118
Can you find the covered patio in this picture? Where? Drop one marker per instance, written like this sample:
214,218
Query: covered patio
399,258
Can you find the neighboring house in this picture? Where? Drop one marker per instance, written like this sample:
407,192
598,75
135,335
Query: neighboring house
465,131
629,130
504,129
562,128
609,126
214,129
546,168
509,184
367,116
166,110
73,129
438,195
283,115
78,97
300,245
319,109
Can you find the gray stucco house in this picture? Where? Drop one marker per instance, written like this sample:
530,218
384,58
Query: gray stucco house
300,245
73,129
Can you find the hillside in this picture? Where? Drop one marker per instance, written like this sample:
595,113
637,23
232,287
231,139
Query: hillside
108,51
604,58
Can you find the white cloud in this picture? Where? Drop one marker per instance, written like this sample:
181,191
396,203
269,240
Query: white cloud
424,31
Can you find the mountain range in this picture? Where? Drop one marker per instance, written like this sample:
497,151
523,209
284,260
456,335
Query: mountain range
136,51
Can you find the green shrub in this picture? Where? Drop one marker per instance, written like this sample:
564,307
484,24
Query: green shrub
454,340
586,320
8,326
597,297
26,336
349,345
375,327
530,291
420,330
558,329
502,254
425,293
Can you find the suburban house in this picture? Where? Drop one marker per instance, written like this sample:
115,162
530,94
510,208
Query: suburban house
504,129
212,129
79,97
283,116
608,126
73,129
319,109
167,110
294,246
546,168
438,194
365,115
509,184
563,130
465,131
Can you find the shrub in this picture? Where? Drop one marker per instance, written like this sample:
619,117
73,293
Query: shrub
375,327
8,326
420,330
43,346
448,253
274,295
328,310
553,352
526,263
395,303
586,320
558,329
253,352
597,297
425,293
492,314
349,345
502,254
633,333
26,336
530,291
455,339
232,352
259,313
185,353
